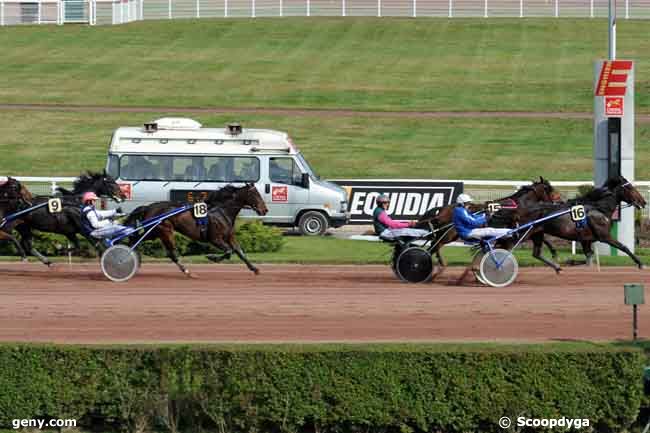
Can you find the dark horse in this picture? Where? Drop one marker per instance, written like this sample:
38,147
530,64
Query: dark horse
67,222
439,220
219,230
599,206
14,197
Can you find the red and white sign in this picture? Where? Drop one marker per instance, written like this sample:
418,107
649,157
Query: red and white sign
614,106
613,78
126,190
280,194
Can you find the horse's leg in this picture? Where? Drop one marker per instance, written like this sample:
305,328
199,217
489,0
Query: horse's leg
8,237
169,243
240,253
616,244
26,241
551,249
441,261
538,243
449,236
76,247
588,251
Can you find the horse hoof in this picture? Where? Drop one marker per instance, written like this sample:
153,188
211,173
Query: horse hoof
256,271
558,270
641,267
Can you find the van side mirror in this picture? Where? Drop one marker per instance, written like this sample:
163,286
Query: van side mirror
305,180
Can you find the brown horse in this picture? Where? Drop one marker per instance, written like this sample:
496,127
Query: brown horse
219,229
599,206
439,220
14,197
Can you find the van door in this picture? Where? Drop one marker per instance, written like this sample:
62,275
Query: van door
284,194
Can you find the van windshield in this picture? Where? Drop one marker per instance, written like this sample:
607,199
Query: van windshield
307,167
113,166
190,168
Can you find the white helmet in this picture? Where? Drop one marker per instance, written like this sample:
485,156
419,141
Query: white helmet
464,198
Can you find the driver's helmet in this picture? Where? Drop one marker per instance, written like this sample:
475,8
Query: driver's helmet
464,198
88,197
383,198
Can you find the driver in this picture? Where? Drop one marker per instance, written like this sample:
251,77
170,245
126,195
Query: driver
469,226
99,223
389,229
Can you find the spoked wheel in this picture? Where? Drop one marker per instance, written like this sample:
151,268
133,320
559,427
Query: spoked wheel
414,265
499,268
119,263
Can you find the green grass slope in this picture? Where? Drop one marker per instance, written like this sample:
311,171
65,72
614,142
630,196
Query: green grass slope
355,63
63,144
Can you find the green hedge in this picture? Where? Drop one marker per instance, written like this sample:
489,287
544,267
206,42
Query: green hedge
254,237
318,389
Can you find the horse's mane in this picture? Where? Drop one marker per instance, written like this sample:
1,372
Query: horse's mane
614,182
222,194
81,183
592,196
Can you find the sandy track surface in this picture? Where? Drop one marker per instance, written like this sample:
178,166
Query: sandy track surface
76,304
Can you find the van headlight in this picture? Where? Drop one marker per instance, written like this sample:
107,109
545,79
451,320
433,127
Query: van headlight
344,207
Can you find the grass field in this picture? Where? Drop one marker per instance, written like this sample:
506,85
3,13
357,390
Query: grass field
353,63
64,144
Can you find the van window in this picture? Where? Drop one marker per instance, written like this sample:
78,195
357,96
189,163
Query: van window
141,167
284,170
190,168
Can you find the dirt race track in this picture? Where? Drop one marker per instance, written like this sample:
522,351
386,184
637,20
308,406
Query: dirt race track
309,303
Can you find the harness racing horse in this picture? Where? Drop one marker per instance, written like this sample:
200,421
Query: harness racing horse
440,220
68,221
219,230
14,197
599,206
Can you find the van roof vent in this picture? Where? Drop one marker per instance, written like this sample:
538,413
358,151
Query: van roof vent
172,123
234,129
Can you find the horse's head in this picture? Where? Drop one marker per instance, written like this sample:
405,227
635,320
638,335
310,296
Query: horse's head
544,191
625,191
249,196
12,189
101,184
538,191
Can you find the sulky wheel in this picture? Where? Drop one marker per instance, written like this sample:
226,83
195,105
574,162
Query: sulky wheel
414,265
119,263
499,268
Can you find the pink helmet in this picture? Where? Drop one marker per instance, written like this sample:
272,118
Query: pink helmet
88,196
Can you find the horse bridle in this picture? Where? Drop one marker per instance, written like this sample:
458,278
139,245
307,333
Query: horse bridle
15,196
627,185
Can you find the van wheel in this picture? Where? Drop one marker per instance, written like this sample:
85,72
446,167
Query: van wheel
313,224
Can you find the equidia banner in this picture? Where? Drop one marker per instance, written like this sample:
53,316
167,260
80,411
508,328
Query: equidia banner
409,199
